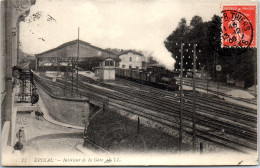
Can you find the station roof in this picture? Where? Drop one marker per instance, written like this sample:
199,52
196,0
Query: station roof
155,65
130,51
104,58
104,52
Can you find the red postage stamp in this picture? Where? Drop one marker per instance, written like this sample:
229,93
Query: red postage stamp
239,26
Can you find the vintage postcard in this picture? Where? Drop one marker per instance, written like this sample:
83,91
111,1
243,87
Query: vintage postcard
129,83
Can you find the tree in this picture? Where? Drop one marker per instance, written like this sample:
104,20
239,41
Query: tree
114,50
196,20
177,35
182,28
151,60
184,33
237,62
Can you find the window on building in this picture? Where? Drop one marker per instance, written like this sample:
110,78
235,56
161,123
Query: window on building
123,66
111,63
137,67
144,65
130,59
130,66
106,63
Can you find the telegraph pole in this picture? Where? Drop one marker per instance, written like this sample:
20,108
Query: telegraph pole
194,98
58,67
207,77
214,67
72,67
255,74
218,82
181,76
218,69
78,63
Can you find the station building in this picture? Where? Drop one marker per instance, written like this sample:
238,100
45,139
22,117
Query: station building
67,53
64,56
107,69
132,60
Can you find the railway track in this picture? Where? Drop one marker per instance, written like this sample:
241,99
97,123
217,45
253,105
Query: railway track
169,115
231,107
253,123
219,114
189,95
203,85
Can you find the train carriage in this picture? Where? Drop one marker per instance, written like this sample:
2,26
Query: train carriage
118,72
121,73
127,74
143,77
155,76
136,75
153,79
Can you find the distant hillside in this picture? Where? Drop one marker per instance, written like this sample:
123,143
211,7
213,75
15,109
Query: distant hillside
23,57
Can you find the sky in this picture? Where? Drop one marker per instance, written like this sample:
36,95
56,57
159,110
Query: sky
123,24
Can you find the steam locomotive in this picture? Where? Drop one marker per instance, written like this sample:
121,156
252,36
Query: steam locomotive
156,76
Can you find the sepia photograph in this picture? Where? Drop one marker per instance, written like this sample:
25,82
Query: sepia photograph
129,83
